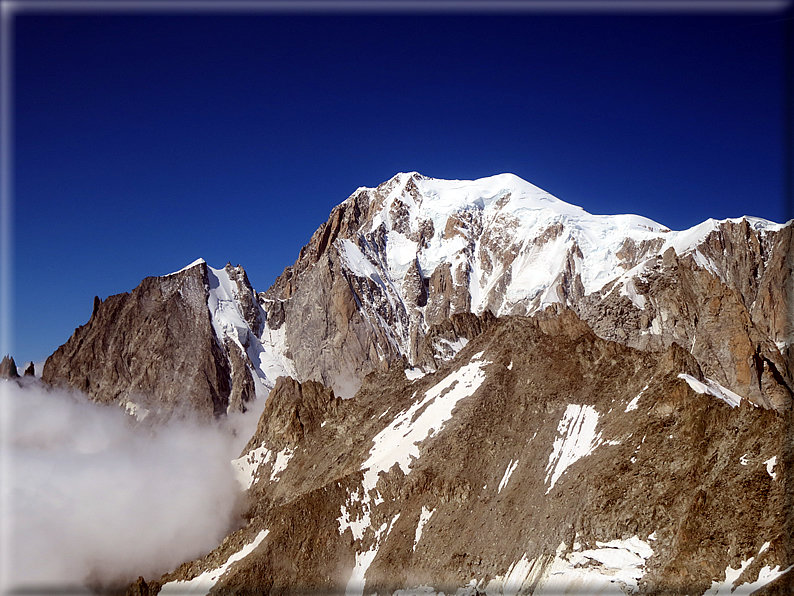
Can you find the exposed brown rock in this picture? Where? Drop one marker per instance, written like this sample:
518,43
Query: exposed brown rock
690,305
142,588
293,411
435,346
330,339
154,347
682,466
8,368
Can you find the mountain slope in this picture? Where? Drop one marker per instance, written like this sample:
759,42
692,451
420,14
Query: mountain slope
542,458
540,399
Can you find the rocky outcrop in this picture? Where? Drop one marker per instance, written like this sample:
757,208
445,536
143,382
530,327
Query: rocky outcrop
541,459
444,340
155,351
293,412
733,319
8,368
330,338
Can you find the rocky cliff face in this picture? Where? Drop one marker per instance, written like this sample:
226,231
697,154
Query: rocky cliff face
728,302
541,459
160,349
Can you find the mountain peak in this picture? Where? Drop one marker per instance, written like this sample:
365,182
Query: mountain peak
195,263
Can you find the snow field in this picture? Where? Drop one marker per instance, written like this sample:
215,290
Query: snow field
267,353
228,322
615,567
509,208
413,374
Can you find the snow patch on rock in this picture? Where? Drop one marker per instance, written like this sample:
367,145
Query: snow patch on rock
198,261
282,459
633,404
711,387
518,579
424,517
614,568
246,468
356,526
202,584
397,443
733,586
770,465
577,438
355,585
136,410
511,467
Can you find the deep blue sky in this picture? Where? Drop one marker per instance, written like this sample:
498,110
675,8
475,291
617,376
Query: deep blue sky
143,142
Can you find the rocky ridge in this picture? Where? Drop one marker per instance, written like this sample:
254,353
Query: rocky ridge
542,458
393,262
175,344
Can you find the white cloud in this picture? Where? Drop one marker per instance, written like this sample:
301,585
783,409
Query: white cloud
93,497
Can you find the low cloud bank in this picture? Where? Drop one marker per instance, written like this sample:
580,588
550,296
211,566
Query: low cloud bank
91,497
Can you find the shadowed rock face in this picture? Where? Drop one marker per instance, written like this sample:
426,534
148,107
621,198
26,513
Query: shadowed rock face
539,442
155,348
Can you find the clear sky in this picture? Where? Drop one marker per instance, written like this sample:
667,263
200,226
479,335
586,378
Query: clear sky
144,141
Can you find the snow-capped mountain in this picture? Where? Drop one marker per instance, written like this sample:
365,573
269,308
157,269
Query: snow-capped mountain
541,400
393,262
